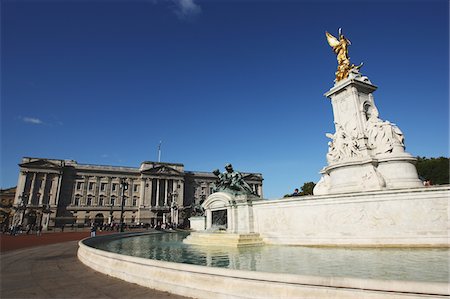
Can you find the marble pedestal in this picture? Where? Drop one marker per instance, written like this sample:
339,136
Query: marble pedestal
198,223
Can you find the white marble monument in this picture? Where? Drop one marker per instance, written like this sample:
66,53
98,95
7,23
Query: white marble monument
365,153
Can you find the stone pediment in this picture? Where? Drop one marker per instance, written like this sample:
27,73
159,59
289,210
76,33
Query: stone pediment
41,163
251,177
162,170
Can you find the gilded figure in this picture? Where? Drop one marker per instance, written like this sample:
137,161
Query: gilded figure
340,47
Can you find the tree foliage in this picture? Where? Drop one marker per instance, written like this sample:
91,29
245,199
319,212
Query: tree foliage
307,189
434,169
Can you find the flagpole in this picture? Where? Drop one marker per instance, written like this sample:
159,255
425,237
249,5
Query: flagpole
159,151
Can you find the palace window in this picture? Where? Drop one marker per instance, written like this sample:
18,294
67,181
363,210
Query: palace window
113,200
136,188
76,201
79,185
101,200
134,201
89,201
114,187
103,187
91,186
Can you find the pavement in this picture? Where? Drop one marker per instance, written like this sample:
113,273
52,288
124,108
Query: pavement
47,267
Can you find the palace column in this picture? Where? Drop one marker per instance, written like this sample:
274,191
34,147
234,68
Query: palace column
158,181
180,194
131,192
108,191
166,190
53,190
97,190
42,189
33,182
142,193
85,188
20,190
174,191
58,190
148,192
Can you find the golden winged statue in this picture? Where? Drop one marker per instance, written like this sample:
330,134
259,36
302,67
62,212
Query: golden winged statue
340,47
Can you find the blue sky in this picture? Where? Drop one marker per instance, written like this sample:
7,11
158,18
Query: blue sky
102,82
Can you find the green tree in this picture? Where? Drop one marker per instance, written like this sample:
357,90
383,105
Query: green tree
434,169
307,188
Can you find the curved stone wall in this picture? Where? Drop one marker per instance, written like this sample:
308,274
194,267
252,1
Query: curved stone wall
208,282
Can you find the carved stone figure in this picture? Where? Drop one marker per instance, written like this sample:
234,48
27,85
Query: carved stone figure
341,145
232,182
384,136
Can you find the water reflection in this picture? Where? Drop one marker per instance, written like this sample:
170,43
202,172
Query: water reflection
377,263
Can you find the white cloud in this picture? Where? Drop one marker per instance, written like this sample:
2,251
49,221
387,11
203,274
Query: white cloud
32,120
186,9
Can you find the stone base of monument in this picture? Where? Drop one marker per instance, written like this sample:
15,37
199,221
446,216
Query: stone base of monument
384,172
229,222
223,239
197,223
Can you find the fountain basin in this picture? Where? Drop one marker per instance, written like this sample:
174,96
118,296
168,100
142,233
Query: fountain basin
207,282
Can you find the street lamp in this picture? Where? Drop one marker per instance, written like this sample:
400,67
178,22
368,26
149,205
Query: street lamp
174,209
111,214
124,186
23,207
46,211
19,216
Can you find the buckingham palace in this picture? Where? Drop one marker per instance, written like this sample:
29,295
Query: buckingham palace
58,193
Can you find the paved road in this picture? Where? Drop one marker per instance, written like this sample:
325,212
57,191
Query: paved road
21,241
53,271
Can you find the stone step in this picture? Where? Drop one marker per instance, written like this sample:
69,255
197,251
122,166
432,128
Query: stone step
223,239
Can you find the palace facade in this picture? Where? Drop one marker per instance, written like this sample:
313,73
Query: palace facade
53,192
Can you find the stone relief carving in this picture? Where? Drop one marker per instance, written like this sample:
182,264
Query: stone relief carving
383,136
342,145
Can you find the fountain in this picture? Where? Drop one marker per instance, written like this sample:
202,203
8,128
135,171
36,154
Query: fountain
369,207
229,213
